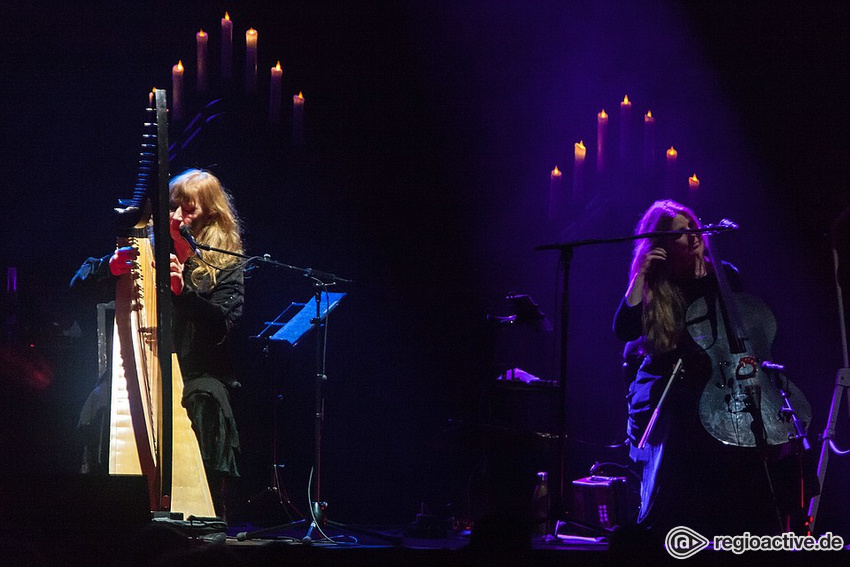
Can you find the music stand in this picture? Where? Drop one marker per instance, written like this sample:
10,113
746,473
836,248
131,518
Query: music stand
288,328
311,315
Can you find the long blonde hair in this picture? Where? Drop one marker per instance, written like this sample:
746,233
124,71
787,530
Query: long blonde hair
218,226
663,304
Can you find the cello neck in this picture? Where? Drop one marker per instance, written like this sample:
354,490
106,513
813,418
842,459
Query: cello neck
728,307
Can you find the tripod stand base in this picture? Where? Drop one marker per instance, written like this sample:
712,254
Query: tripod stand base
318,511
314,529
262,533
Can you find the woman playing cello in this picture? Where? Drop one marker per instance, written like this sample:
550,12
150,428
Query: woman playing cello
688,478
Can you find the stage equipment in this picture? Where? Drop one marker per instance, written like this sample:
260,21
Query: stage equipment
288,329
313,315
842,378
601,501
150,432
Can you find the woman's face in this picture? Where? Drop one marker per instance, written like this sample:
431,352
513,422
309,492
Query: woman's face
685,247
186,213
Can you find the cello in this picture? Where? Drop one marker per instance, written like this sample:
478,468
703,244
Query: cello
747,401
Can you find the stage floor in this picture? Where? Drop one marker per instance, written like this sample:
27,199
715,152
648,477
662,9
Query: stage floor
163,543
499,544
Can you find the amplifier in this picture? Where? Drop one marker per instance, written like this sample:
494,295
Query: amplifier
602,501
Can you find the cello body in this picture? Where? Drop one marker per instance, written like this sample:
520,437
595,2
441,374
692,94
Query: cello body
742,404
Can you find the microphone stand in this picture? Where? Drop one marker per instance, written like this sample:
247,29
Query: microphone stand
321,280
566,255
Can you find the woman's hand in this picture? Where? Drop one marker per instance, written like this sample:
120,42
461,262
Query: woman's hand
176,270
634,294
181,245
656,254
122,260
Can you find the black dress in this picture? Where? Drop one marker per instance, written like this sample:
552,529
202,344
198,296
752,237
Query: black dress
203,324
688,478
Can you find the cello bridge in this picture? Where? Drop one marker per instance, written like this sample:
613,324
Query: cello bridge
747,368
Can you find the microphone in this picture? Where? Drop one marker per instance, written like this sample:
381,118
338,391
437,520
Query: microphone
186,233
723,226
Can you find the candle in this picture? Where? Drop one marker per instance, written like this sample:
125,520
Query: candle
177,91
601,128
298,119
578,170
580,151
693,190
226,47
202,39
670,189
274,94
648,140
251,60
555,193
625,128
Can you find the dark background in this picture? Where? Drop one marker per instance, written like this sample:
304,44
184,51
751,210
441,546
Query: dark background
424,178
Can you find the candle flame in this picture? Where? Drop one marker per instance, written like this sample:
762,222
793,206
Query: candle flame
626,100
580,145
556,172
227,16
649,114
301,95
251,31
693,178
277,66
202,33
180,65
672,152
603,115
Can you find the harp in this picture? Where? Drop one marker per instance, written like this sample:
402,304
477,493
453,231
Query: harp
150,432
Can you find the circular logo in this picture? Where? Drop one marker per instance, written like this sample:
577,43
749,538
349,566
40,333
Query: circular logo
682,542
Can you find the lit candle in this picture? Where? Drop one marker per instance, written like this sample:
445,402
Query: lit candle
251,60
555,193
601,128
670,189
226,47
578,170
693,190
202,39
298,119
274,94
648,140
625,128
177,91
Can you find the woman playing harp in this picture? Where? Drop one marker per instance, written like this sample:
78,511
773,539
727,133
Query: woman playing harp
207,305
